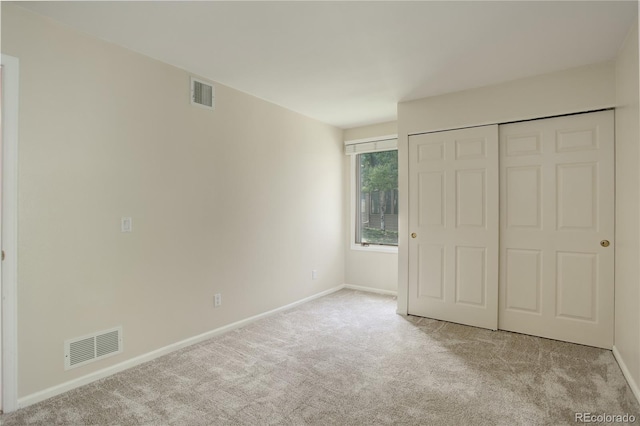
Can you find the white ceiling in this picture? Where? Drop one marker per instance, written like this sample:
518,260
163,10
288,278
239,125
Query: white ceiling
350,63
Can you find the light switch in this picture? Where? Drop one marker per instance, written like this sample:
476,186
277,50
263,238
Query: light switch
126,224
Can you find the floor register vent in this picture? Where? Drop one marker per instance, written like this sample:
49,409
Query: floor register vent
86,349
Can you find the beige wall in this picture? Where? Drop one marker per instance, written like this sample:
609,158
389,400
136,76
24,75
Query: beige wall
362,267
580,89
372,131
244,201
627,316
551,94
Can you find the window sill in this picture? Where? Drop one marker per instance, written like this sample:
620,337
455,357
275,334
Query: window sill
374,248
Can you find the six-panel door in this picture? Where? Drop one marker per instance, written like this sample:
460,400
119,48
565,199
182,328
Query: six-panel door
453,217
557,213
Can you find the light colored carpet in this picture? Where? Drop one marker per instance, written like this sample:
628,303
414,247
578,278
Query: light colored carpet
348,359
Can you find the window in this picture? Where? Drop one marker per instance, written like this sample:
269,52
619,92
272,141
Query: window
377,195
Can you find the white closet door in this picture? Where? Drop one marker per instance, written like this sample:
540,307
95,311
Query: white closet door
453,221
557,215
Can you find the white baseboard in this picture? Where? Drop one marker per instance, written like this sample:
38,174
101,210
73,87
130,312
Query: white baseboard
371,289
97,375
627,374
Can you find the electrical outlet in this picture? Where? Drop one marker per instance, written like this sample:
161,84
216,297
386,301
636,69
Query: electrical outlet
126,224
217,300
314,274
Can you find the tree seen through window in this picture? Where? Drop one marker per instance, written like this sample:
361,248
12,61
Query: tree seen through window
378,195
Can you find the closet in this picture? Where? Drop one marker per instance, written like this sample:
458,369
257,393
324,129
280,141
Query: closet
511,227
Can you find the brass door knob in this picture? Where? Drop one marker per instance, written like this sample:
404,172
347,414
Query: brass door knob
605,243
413,235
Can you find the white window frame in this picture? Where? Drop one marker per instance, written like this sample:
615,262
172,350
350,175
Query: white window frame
354,192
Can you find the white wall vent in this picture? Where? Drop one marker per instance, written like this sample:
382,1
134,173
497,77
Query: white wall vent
86,349
202,93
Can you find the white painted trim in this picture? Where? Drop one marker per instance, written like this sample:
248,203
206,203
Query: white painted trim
105,372
374,248
352,198
627,374
371,289
11,75
372,139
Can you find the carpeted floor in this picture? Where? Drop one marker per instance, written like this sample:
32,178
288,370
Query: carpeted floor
348,359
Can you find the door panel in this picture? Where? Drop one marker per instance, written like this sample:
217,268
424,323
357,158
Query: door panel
523,192
453,210
470,275
557,204
431,271
523,268
470,198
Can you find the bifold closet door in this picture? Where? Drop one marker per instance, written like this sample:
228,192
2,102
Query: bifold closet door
557,228
453,221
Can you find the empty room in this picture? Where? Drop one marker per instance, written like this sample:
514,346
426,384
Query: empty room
316,213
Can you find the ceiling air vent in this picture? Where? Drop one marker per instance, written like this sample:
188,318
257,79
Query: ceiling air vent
86,349
202,93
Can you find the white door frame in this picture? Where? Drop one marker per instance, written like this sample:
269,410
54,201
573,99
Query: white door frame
9,236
